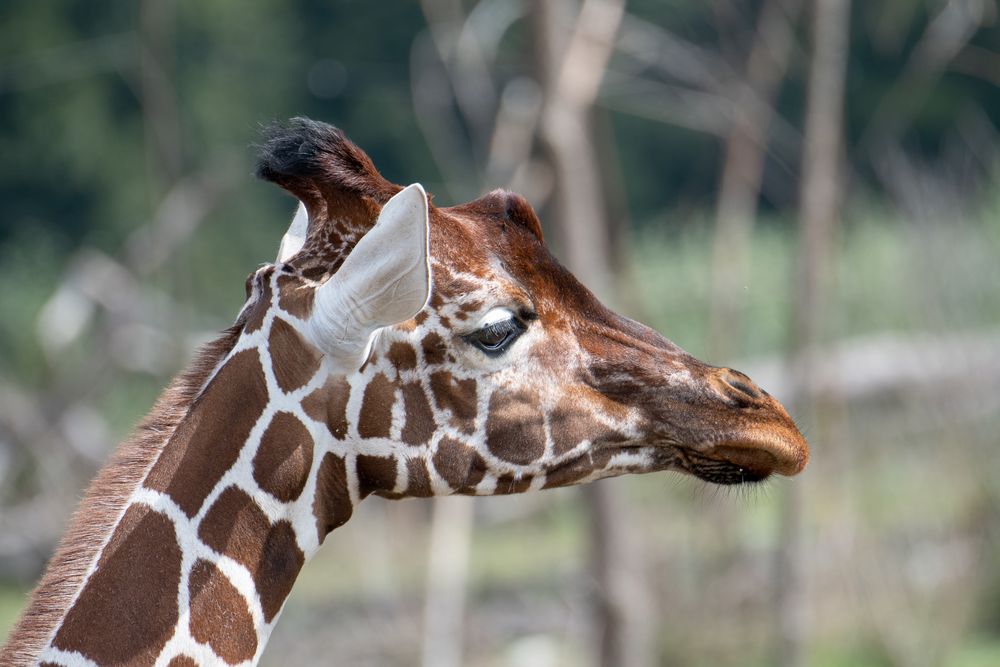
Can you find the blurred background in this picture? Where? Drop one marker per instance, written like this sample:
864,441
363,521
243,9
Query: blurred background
806,190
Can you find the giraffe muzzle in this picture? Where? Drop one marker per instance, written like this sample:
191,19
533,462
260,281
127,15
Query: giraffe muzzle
765,440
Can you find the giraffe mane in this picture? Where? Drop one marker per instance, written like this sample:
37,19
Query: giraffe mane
106,499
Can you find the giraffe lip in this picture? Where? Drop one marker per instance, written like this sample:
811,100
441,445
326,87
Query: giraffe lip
747,459
763,456
725,473
758,460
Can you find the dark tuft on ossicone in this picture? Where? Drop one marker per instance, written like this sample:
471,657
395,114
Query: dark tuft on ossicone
305,156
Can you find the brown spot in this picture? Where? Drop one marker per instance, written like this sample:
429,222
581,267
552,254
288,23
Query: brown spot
461,286
570,424
278,566
507,484
570,472
282,463
459,396
434,348
219,614
328,405
402,356
418,481
293,360
234,525
471,306
128,609
420,317
317,272
375,473
420,424
332,503
182,661
459,465
376,408
477,470
237,527
208,440
255,318
515,427
295,298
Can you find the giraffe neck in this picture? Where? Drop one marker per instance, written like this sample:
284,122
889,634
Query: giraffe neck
207,542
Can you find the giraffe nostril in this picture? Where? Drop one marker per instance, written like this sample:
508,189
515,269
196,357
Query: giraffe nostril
735,385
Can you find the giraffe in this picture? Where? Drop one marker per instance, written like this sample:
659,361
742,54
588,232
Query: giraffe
350,372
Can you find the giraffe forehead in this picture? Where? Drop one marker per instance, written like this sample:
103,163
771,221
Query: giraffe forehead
488,251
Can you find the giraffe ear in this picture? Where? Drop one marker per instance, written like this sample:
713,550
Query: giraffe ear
385,280
295,237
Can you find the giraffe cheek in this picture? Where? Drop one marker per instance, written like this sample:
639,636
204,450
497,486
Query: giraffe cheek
419,419
376,408
572,424
375,474
459,465
515,429
457,396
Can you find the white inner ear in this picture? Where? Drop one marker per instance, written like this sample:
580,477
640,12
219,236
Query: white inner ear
385,280
295,237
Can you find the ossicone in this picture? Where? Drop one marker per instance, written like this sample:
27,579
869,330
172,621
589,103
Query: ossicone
315,162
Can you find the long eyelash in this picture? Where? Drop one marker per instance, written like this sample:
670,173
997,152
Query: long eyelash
500,328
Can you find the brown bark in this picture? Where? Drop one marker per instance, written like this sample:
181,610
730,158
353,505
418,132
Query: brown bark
447,570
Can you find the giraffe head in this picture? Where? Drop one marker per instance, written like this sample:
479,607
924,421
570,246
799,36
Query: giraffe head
394,348
462,357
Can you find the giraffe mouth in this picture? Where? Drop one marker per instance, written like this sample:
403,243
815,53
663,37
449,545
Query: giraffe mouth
741,461
724,472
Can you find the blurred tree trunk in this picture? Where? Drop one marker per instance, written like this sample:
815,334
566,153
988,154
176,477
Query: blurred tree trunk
447,572
571,56
743,168
819,215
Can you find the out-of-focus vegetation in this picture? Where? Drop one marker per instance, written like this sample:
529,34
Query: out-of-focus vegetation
129,219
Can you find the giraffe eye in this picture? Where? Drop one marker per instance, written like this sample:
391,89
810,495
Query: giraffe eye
494,338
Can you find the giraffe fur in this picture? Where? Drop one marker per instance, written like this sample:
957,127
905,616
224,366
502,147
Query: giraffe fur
506,375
